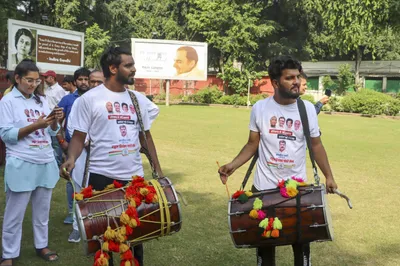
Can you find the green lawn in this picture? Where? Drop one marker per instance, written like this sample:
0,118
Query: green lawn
364,155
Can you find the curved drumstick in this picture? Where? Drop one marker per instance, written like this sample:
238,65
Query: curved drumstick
336,191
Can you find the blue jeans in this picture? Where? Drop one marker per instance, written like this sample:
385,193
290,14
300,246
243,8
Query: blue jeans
57,150
70,193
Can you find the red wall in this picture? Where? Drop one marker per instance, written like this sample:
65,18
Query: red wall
190,87
177,87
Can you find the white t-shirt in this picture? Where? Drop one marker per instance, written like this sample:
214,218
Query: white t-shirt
17,112
113,127
152,108
79,170
282,148
54,95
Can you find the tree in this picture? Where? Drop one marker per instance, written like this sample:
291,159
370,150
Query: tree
345,78
96,41
232,29
352,28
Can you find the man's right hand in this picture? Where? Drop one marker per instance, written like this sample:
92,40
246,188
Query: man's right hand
66,168
225,171
324,100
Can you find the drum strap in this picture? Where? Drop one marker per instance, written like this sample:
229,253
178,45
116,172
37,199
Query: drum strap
145,149
86,171
306,130
248,173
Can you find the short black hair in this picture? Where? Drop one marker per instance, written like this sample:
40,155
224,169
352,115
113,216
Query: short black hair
112,56
68,79
124,104
28,33
83,71
303,75
10,76
279,63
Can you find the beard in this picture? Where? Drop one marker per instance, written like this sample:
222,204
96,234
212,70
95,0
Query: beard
288,93
83,88
125,80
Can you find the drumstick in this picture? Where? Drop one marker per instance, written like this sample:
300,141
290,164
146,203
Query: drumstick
226,184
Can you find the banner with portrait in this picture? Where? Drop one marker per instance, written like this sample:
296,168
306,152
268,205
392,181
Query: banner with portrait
166,59
51,48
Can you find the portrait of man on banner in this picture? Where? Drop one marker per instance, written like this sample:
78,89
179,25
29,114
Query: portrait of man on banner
185,63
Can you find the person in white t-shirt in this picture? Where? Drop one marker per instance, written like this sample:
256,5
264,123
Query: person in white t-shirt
113,157
282,151
31,171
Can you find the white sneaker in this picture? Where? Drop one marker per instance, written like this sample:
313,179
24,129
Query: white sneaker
74,237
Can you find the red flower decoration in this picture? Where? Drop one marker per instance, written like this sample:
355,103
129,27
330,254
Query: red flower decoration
112,246
129,230
87,192
128,255
117,184
132,212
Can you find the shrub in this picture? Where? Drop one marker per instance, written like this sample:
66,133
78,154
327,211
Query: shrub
207,95
370,102
160,97
309,98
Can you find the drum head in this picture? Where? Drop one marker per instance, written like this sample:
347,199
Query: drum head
327,213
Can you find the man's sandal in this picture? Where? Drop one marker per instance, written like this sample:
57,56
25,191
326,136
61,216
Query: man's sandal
46,256
9,263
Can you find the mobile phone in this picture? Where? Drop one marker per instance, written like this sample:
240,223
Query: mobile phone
328,93
53,111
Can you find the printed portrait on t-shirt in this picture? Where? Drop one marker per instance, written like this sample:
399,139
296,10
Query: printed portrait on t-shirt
282,145
297,125
26,111
117,107
281,122
43,113
37,113
109,107
289,123
125,108
123,131
273,121
42,129
132,108
32,113
37,134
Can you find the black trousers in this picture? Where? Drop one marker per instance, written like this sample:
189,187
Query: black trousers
99,182
266,255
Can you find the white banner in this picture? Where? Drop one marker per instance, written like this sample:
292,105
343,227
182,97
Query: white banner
51,48
165,59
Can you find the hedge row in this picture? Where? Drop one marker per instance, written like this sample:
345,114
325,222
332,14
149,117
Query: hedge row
214,95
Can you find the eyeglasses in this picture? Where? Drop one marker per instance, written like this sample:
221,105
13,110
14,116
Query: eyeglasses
32,81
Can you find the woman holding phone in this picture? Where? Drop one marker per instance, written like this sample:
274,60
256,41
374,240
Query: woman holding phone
31,171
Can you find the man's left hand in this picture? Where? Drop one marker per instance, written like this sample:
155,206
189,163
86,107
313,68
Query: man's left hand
331,185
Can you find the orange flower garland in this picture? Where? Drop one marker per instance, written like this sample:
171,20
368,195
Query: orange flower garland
115,240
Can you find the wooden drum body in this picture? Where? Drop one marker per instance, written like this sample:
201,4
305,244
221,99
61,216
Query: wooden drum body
156,219
304,218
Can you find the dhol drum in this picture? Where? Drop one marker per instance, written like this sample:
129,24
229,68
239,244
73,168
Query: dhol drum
156,219
304,218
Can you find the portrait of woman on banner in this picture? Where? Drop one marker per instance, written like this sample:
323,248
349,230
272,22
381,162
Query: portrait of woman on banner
25,46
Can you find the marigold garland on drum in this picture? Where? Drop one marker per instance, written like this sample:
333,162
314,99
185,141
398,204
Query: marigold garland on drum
115,240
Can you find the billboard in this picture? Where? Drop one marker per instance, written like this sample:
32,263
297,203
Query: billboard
51,48
165,59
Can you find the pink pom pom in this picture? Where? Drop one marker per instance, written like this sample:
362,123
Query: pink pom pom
298,179
261,215
284,192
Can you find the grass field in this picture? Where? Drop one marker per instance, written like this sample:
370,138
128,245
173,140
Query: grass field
364,155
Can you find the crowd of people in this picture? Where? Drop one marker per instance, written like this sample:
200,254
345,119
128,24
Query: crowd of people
49,130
